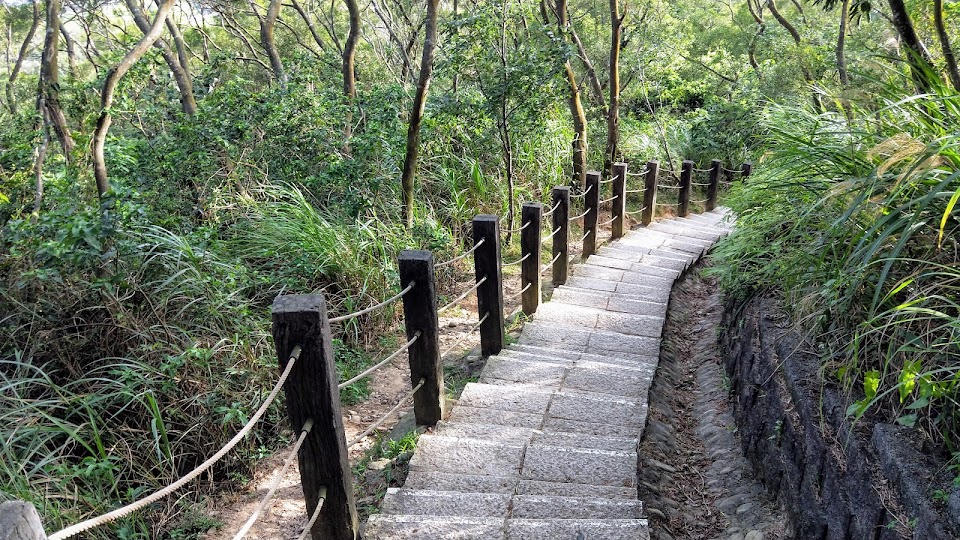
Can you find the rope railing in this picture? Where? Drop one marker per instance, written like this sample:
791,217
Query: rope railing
462,296
731,171
698,201
636,211
700,184
518,294
307,426
668,186
584,194
609,221
461,257
551,235
385,303
516,262
138,504
641,172
520,229
702,170
549,265
611,199
641,190
386,416
380,364
322,495
459,340
609,180
552,210
670,172
578,216
586,234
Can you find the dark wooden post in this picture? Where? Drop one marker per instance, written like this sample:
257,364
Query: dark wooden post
420,316
686,175
560,197
618,207
531,216
591,202
714,184
486,264
745,170
650,192
311,393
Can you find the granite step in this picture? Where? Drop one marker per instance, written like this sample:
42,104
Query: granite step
573,529
468,504
611,301
586,317
583,340
443,481
418,527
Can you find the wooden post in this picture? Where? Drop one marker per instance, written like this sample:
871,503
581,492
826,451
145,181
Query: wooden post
650,192
618,208
714,185
531,216
746,170
560,197
686,175
591,202
311,393
486,264
19,521
420,316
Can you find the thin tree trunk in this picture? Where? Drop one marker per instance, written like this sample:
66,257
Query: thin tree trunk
595,85
349,75
24,49
309,22
804,70
918,56
613,111
573,100
841,42
39,156
416,116
945,46
267,25
397,42
110,87
71,46
48,93
176,62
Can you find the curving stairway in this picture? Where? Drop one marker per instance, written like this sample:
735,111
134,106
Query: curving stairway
544,446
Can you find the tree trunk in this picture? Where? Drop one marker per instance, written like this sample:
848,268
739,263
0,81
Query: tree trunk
110,87
24,49
176,62
48,93
595,85
613,111
416,115
349,75
576,107
309,22
918,56
804,70
841,42
71,46
39,155
267,25
945,46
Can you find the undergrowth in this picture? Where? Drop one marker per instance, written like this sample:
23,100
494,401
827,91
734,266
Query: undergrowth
853,220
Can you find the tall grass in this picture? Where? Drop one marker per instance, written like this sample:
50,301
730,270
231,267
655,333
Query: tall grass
855,222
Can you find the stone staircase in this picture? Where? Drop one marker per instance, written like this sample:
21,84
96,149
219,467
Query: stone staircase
544,446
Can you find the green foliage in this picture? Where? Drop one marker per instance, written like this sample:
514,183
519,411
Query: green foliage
855,222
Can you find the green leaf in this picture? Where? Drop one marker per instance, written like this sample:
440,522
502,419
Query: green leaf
909,420
871,382
908,378
946,215
919,404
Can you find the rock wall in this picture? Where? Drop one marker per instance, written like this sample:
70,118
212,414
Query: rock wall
836,480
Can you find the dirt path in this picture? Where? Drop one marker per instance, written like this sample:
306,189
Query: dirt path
694,480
